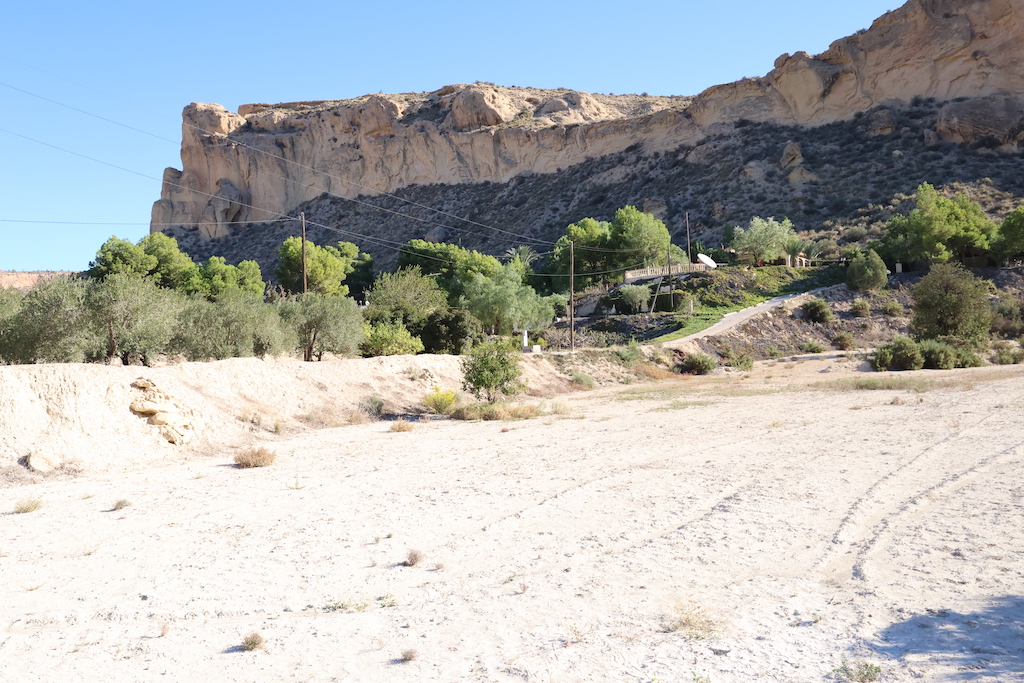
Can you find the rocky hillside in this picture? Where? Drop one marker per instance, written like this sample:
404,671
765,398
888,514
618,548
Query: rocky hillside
840,180
929,75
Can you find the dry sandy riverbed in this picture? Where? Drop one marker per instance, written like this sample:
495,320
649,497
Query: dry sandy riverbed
742,528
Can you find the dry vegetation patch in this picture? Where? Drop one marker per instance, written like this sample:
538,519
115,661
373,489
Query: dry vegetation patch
254,456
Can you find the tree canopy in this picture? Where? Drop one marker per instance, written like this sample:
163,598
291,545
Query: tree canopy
938,228
764,239
450,265
326,267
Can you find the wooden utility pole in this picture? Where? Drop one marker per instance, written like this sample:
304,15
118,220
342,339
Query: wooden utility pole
302,217
689,253
572,297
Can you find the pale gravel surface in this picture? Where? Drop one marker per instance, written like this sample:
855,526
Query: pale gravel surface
811,525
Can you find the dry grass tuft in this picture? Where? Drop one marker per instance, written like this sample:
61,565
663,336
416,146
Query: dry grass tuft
401,425
413,558
409,655
324,417
691,620
121,504
27,505
652,371
496,411
253,456
253,641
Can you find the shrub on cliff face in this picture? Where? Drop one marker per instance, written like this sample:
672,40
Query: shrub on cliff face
817,310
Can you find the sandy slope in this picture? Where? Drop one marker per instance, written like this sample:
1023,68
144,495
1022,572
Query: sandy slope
806,524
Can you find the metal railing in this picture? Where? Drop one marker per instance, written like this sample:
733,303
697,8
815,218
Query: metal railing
660,271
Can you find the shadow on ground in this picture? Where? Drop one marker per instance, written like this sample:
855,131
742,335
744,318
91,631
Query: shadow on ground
986,645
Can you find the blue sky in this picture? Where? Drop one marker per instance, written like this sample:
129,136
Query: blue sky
140,63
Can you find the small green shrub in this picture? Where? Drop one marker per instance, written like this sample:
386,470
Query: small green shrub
495,411
1007,355
900,354
867,271
968,359
858,672
773,351
440,401
892,307
697,364
634,297
938,355
630,353
860,308
389,339
811,347
843,341
253,641
817,310
372,407
492,369
741,362
582,379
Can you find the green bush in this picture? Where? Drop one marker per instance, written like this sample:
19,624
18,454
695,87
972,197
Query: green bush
697,364
630,353
811,347
938,355
773,351
323,323
891,307
968,359
817,310
1007,355
492,369
634,297
902,353
860,308
843,341
741,362
582,379
452,331
389,339
951,302
51,326
440,401
867,272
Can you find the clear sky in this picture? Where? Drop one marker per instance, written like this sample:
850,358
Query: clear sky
139,63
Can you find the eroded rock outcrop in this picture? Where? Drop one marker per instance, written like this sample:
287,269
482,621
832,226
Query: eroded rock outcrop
174,421
268,159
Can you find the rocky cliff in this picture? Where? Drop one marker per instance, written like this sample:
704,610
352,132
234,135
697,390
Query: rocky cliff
266,160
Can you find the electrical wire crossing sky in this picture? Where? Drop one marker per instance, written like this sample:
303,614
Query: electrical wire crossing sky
92,93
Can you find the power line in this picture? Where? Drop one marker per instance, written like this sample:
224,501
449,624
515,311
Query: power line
399,246
299,165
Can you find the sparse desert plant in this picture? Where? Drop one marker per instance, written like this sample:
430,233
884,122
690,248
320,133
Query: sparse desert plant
582,379
121,504
495,411
773,351
254,456
401,425
860,308
811,347
741,361
691,620
413,558
409,655
440,401
817,310
902,353
253,641
858,672
1006,355
27,505
630,353
697,364
372,407
843,341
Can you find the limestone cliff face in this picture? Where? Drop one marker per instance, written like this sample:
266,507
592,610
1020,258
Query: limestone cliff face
268,159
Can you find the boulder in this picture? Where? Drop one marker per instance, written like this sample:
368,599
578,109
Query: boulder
478,106
42,462
791,156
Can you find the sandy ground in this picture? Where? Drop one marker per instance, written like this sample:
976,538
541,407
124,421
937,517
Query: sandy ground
746,527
